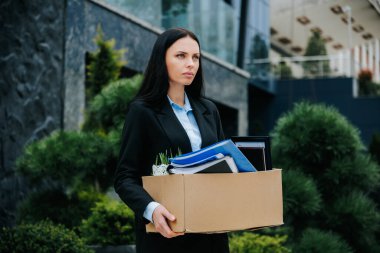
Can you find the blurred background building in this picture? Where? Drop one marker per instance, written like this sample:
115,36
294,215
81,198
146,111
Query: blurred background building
254,60
320,51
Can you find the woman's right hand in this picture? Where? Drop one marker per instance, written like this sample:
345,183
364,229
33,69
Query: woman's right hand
160,214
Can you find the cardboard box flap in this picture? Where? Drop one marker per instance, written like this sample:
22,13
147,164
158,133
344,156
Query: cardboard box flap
225,197
168,190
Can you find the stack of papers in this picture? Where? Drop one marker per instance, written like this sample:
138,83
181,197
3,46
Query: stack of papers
220,157
225,164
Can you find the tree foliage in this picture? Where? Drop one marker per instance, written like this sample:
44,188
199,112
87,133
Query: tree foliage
248,242
316,47
317,241
105,65
366,86
110,223
107,110
70,171
57,206
42,237
73,159
327,181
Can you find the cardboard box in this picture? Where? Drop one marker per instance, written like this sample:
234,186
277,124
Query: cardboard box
208,203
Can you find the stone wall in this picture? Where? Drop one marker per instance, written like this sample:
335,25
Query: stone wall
42,60
30,86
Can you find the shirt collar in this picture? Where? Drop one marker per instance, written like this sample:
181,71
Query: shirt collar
186,106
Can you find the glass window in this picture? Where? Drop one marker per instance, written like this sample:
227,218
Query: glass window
216,22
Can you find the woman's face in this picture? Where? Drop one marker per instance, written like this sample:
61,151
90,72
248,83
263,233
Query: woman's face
182,61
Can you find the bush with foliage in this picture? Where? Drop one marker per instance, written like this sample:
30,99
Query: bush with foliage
70,170
111,223
43,237
57,206
315,241
374,147
107,110
283,71
248,242
374,150
327,178
105,65
316,47
73,159
259,51
366,86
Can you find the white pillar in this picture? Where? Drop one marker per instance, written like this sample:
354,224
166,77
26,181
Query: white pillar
370,56
356,61
339,63
377,62
363,57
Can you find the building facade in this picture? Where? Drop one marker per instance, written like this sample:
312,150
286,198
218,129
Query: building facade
44,59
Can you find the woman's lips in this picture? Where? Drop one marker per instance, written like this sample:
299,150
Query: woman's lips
188,74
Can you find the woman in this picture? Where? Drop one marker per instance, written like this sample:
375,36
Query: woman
167,114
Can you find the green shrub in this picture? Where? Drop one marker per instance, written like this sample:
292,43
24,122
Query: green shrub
350,174
43,237
73,159
351,215
374,147
108,109
283,71
254,243
316,241
57,206
301,196
316,47
105,65
337,177
369,89
111,223
366,86
312,136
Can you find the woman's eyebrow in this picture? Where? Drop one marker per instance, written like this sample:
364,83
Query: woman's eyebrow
183,52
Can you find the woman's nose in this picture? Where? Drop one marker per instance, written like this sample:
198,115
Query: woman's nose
190,62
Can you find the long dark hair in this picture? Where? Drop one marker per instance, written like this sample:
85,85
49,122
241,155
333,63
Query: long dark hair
155,85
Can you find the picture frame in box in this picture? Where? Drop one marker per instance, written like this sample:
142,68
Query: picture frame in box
256,149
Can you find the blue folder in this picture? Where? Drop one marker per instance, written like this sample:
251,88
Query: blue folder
226,147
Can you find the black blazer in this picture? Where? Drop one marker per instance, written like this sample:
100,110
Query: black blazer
147,132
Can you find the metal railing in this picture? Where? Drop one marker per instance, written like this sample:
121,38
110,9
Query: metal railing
300,67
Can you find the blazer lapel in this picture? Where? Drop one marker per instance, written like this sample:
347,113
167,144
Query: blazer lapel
172,127
202,116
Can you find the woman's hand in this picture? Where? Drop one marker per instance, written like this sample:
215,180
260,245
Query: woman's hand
160,214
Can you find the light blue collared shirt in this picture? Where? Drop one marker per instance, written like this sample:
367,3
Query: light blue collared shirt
186,117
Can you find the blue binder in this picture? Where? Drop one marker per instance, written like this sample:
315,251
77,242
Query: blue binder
226,147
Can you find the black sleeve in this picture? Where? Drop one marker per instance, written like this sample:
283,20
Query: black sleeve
128,182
